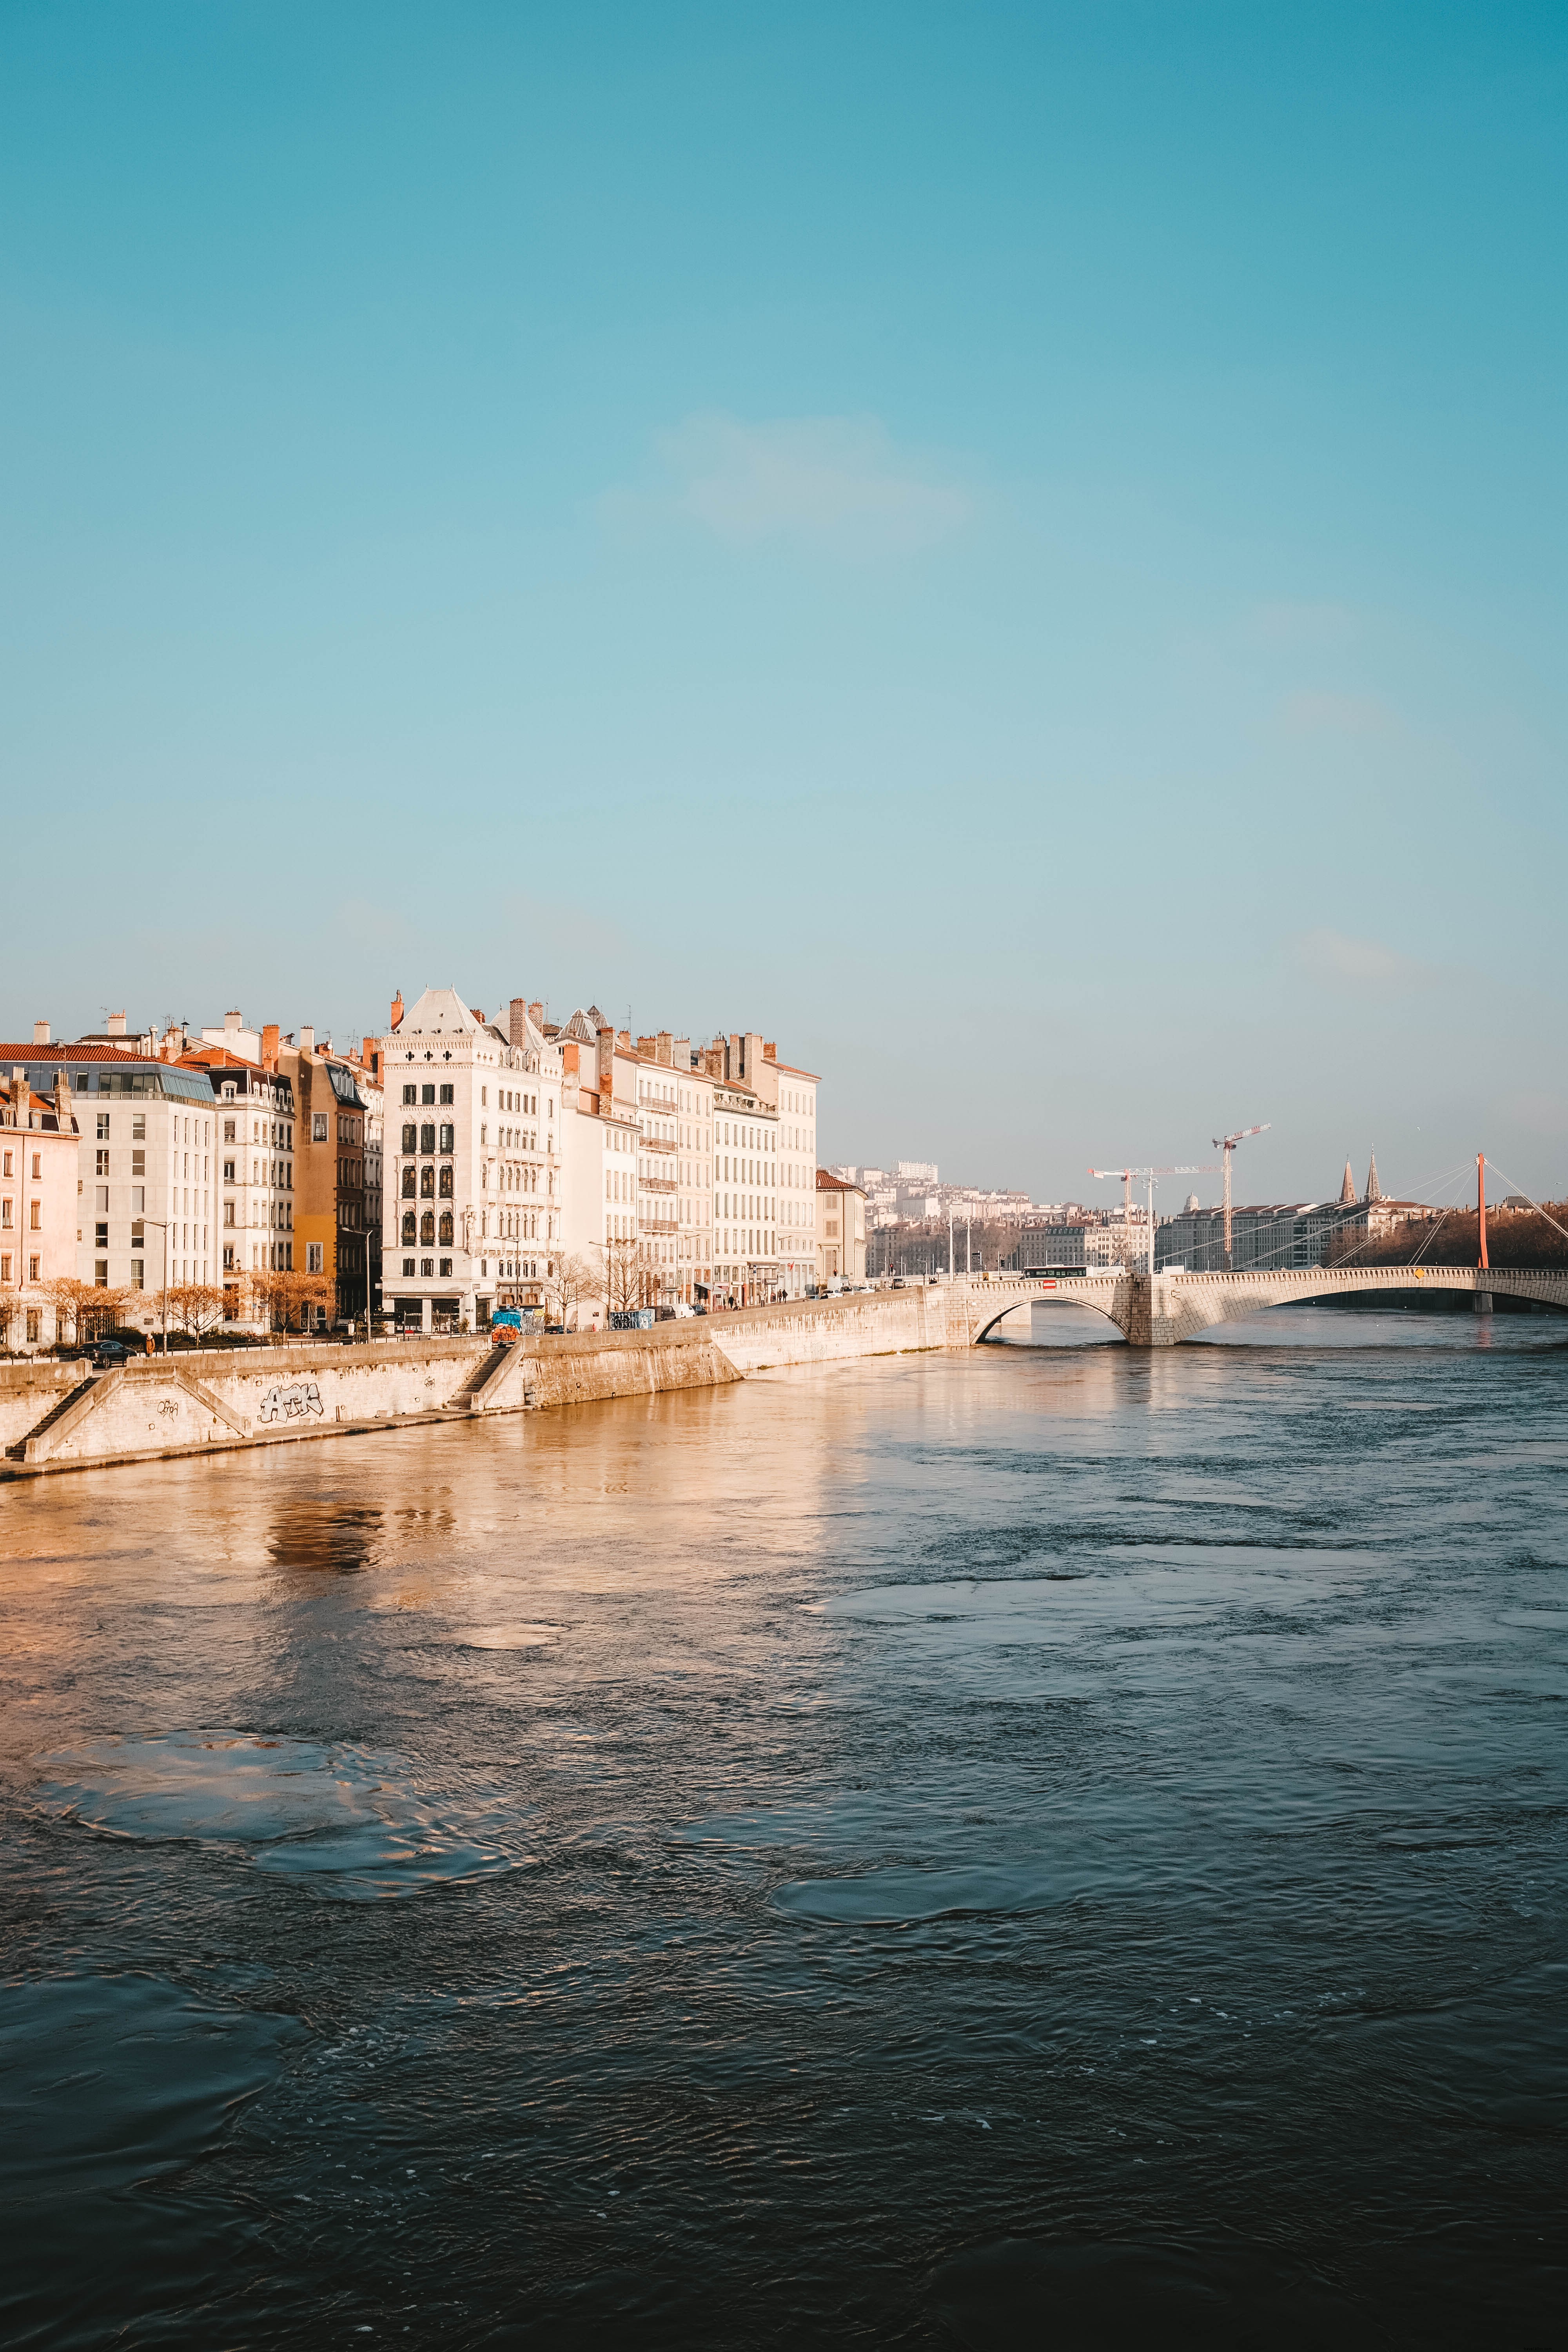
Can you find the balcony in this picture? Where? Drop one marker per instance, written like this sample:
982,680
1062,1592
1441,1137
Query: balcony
657,1143
658,1184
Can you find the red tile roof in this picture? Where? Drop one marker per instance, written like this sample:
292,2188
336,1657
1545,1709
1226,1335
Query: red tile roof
59,1052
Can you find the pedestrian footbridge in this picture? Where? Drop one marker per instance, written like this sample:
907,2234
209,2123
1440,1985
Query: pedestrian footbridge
1175,1306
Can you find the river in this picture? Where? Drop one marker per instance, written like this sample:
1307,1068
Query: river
970,1851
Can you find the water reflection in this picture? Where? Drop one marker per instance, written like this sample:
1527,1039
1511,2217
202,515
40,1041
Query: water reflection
984,1818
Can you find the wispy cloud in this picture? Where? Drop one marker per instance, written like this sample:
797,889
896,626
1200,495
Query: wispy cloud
838,484
1340,714
1341,963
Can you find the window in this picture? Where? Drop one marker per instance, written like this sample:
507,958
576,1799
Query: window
446,1266
228,1131
408,1229
101,1273
410,1136
410,1094
318,1126
449,1139
447,1180
103,1126
101,1166
139,1164
427,1266
139,1128
426,1094
137,1265
100,1237
427,1227
408,1266
408,1183
427,1137
33,1317
229,1212
33,1266
427,1184
5,1268
447,1095
34,1219
313,1256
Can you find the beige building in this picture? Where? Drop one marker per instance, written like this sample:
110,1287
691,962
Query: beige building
841,1246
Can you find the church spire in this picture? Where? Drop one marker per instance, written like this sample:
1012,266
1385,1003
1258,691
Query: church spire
1373,1188
1347,1190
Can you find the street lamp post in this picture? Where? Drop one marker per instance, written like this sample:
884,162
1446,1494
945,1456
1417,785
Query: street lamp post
162,1224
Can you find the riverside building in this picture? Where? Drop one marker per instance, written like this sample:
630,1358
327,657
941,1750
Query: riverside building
472,1168
39,1149
147,1186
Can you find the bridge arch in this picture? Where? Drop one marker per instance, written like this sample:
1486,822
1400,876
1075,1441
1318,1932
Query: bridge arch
1101,1297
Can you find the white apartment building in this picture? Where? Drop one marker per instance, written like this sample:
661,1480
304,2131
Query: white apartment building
794,1096
599,1159
764,1212
256,1125
746,1163
472,1173
657,1204
147,1186
694,1177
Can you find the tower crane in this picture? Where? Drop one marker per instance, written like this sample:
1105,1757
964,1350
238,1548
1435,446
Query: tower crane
1126,1175
1227,1143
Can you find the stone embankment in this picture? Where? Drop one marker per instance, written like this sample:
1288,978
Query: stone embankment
59,1416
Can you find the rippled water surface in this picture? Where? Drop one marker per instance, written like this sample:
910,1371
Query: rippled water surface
980,1851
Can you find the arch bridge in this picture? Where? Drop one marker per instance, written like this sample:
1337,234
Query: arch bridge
1172,1307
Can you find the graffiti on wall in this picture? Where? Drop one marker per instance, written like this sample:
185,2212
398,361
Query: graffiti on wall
293,1400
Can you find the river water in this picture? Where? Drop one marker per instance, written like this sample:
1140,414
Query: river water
946,1850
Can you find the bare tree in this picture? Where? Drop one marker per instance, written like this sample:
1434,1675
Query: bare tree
285,1296
571,1279
90,1308
621,1275
196,1306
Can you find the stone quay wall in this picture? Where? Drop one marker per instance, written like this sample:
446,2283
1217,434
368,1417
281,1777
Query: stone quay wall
59,1416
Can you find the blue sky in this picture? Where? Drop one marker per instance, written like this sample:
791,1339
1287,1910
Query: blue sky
1017,550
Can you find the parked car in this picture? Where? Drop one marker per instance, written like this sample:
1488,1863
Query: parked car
108,1353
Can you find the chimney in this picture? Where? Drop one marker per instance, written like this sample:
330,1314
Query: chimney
648,1048
479,1016
62,1099
624,1040
665,1042
394,1018
270,1046
307,1037
569,1057
40,1033
536,1014
517,1023
115,1025
770,1052
231,1022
